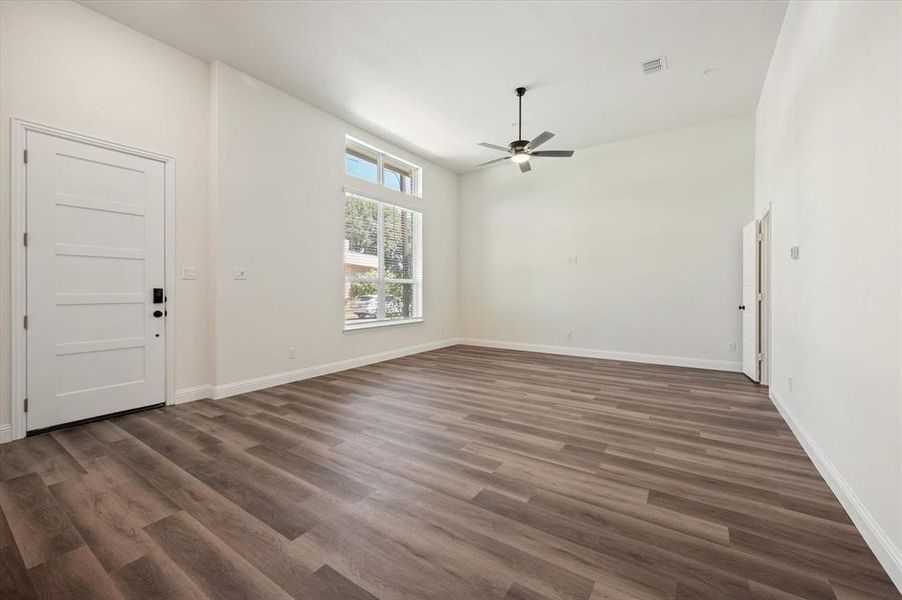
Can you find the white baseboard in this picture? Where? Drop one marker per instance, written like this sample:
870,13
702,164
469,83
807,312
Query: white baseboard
6,433
198,392
267,381
655,359
889,555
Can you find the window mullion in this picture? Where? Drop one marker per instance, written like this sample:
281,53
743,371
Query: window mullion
380,249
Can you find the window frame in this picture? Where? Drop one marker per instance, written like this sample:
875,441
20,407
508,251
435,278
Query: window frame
395,163
380,279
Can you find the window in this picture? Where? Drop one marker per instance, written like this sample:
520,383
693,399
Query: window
397,177
369,163
383,263
360,164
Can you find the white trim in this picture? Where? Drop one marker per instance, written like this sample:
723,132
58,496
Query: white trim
267,381
765,267
18,129
6,433
654,359
394,198
376,323
380,255
198,392
17,349
879,541
169,233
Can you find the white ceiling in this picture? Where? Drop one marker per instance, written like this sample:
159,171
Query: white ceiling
438,77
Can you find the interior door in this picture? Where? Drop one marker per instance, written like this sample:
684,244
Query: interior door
95,251
749,306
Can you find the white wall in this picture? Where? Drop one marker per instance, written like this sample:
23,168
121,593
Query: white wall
655,225
828,161
259,179
66,66
279,169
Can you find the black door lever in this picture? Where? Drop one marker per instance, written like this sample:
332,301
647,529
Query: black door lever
742,307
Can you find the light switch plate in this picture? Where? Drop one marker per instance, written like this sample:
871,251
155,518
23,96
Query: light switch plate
240,273
189,272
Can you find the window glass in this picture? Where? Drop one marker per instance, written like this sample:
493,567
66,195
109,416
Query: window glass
361,237
360,165
361,301
399,302
398,179
382,262
398,225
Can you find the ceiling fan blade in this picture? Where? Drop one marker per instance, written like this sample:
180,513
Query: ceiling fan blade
493,161
553,153
524,167
541,139
494,146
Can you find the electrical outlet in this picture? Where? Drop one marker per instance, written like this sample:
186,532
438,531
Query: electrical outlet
569,334
291,353
239,273
189,272
731,346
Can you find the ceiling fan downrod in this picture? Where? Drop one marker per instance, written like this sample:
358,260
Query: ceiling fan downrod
520,93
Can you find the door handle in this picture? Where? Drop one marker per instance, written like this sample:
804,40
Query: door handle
742,307
158,313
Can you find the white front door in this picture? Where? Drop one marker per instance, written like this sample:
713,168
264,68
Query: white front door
95,251
750,300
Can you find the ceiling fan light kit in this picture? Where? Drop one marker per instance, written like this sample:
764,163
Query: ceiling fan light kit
520,151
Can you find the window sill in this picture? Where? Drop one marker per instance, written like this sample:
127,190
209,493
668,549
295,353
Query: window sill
377,324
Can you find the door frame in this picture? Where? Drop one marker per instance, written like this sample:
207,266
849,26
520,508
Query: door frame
18,358
764,283
755,308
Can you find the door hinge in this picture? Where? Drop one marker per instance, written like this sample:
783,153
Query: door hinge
26,404
25,321
25,155
760,356
25,239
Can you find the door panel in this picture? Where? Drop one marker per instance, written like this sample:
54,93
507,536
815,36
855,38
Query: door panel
95,252
750,300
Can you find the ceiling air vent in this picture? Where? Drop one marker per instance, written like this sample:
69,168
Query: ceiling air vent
655,65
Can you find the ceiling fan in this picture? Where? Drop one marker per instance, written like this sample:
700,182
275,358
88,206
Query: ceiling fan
520,151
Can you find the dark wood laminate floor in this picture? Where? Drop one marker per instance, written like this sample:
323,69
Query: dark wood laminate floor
460,473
